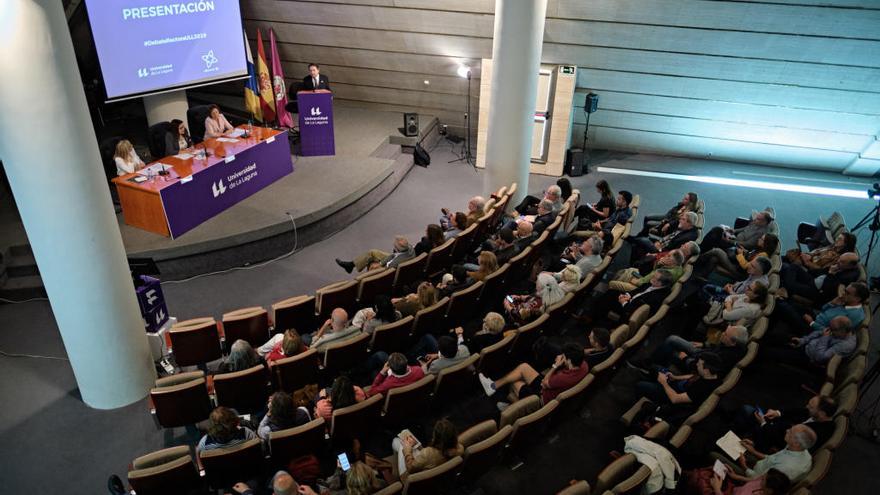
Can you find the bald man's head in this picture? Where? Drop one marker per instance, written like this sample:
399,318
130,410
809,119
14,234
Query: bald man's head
339,318
284,484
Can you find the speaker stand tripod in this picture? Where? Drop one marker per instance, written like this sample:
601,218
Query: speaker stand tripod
465,154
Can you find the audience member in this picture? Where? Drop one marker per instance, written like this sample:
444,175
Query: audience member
224,430
767,431
624,304
736,263
376,258
683,354
335,329
382,313
588,213
569,368
629,279
282,414
360,479
126,158
525,235
820,259
450,351
241,357
600,346
282,484
453,282
690,389
342,394
797,281
457,223
395,373
413,457
475,209
661,225
569,278
215,123
177,138
747,236
489,334
789,319
487,263
529,204
685,232
586,256
758,270
818,347
740,309
424,297
433,237
504,246
605,229
290,344
794,460
773,482
525,308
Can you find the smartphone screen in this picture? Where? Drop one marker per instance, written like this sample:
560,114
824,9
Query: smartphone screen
509,299
343,462
760,411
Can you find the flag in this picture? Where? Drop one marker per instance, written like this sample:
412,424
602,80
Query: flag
278,85
267,98
251,89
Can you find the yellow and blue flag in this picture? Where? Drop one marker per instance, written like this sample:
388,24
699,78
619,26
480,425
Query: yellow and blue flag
251,88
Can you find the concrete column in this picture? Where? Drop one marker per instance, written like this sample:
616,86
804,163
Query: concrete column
50,154
165,107
516,59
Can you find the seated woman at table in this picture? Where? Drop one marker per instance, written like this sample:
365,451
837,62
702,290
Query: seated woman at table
177,138
126,158
215,123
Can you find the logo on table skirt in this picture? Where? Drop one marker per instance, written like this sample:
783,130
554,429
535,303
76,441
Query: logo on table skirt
151,296
316,111
160,315
143,72
218,188
209,59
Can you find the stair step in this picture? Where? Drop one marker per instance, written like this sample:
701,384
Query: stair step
21,288
23,265
21,250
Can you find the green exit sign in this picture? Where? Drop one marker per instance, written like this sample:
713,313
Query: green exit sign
566,69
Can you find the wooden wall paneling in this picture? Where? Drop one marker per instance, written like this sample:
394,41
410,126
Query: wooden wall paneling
731,91
822,140
483,126
713,148
708,42
744,113
714,67
738,16
433,44
452,85
369,17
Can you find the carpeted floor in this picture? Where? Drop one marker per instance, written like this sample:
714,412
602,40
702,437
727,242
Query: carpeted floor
50,441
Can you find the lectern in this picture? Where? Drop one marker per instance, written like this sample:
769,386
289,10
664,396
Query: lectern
316,123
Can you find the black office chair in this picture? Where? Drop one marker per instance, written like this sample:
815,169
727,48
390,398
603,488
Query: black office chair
108,149
195,117
156,139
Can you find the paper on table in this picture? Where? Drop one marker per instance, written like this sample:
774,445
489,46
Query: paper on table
227,140
731,444
720,469
237,132
154,169
184,156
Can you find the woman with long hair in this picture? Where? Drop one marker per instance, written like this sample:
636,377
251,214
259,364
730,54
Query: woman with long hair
241,357
588,213
443,446
342,394
487,262
126,158
283,414
424,297
434,237
525,308
177,138
382,313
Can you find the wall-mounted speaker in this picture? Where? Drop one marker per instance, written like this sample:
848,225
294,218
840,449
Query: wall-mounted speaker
591,104
411,124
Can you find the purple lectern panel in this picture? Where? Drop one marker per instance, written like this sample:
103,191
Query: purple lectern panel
316,123
216,188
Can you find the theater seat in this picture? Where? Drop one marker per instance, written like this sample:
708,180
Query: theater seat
195,342
409,273
431,319
462,305
404,405
377,282
495,359
346,354
248,324
392,337
181,400
295,372
226,466
339,295
479,457
297,313
518,409
246,391
456,380
392,489
291,443
347,422
526,336
166,471
615,472
529,430
432,481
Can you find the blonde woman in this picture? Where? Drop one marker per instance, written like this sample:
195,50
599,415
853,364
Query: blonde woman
126,158
425,296
487,263
569,278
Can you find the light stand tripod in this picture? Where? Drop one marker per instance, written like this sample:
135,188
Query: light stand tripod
873,217
465,155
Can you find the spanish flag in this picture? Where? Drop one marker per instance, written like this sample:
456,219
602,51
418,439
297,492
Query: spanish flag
251,89
267,94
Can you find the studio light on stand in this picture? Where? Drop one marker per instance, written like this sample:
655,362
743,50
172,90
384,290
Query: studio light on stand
465,155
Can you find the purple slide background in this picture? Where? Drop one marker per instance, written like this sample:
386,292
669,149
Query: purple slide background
121,50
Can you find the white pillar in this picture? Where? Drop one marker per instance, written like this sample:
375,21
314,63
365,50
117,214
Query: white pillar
165,107
516,59
51,157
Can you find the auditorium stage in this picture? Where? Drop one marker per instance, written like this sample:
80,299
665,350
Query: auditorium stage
323,195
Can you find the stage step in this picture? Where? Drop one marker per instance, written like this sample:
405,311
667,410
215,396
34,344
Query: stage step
19,276
22,288
22,265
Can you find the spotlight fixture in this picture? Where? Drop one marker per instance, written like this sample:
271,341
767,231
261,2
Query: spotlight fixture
464,71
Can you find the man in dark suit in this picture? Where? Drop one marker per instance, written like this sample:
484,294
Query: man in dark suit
767,431
626,303
643,248
315,80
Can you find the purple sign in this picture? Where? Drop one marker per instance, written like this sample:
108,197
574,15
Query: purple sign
146,46
316,123
152,303
216,188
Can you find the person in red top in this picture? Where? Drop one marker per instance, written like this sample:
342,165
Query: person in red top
396,373
289,345
568,370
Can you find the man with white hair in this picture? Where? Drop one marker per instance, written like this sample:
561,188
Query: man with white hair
282,484
475,208
586,256
644,246
336,328
376,258
529,204
793,461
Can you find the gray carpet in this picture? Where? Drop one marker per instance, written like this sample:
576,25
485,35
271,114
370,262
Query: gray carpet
51,442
